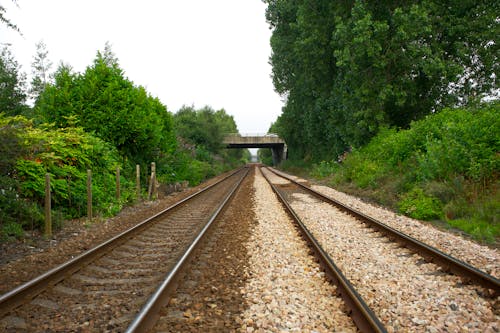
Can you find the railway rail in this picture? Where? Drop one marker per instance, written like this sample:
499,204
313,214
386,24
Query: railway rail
364,318
293,194
121,273
446,261
125,283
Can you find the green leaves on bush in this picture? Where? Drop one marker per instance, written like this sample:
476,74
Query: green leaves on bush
420,206
66,154
444,166
103,101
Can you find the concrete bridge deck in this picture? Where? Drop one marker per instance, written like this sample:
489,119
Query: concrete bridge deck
272,141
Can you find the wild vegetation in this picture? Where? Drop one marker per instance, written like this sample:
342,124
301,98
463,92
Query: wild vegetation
399,84
97,120
444,167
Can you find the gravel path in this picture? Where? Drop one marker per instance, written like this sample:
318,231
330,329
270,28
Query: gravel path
406,293
286,291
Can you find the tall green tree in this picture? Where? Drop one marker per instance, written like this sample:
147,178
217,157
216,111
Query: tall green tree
204,127
348,68
12,85
102,100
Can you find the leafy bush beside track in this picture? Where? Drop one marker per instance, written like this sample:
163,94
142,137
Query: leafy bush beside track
445,166
97,120
66,154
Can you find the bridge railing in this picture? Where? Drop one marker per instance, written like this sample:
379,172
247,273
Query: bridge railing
251,134
253,138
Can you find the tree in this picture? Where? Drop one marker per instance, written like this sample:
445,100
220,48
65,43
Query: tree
102,100
40,70
204,127
12,85
349,68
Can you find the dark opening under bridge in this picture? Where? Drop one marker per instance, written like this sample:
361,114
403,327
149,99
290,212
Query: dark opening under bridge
272,141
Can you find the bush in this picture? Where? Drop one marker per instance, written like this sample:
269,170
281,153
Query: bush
323,169
445,165
65,154
420,206
11,230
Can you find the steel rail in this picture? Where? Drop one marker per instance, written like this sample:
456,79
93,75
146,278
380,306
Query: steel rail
364,318
32,288
147,317
432,254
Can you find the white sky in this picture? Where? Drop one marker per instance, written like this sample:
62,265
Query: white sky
185,52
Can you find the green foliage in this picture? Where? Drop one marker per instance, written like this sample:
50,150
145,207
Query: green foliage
444,166
418,205
12,85
97,120
64,153
322,169
204,127
11,229
201,154
265,156
104,102
350,68
478,229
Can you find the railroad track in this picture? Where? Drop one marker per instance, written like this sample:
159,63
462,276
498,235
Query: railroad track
376,282
122,282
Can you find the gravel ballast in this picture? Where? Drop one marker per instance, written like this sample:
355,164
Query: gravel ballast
256,274
407,293
480,256
286,291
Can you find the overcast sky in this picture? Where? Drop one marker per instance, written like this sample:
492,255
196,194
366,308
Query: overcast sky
185,52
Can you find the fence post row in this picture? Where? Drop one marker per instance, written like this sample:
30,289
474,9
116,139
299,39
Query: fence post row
48,207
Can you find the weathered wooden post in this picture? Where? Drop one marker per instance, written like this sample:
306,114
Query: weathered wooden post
89,194
118,183
48,217
152,181
153,168
138,181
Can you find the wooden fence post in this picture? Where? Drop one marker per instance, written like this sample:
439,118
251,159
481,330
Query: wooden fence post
152,181
153,174
89,194
48,217
118,183
138,181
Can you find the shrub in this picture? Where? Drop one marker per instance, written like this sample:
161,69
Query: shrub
418,205
11,230
66,154
323,169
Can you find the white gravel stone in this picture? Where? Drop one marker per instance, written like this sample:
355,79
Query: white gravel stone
480,256
407,293
286,291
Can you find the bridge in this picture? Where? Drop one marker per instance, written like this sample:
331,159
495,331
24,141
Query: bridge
269,140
